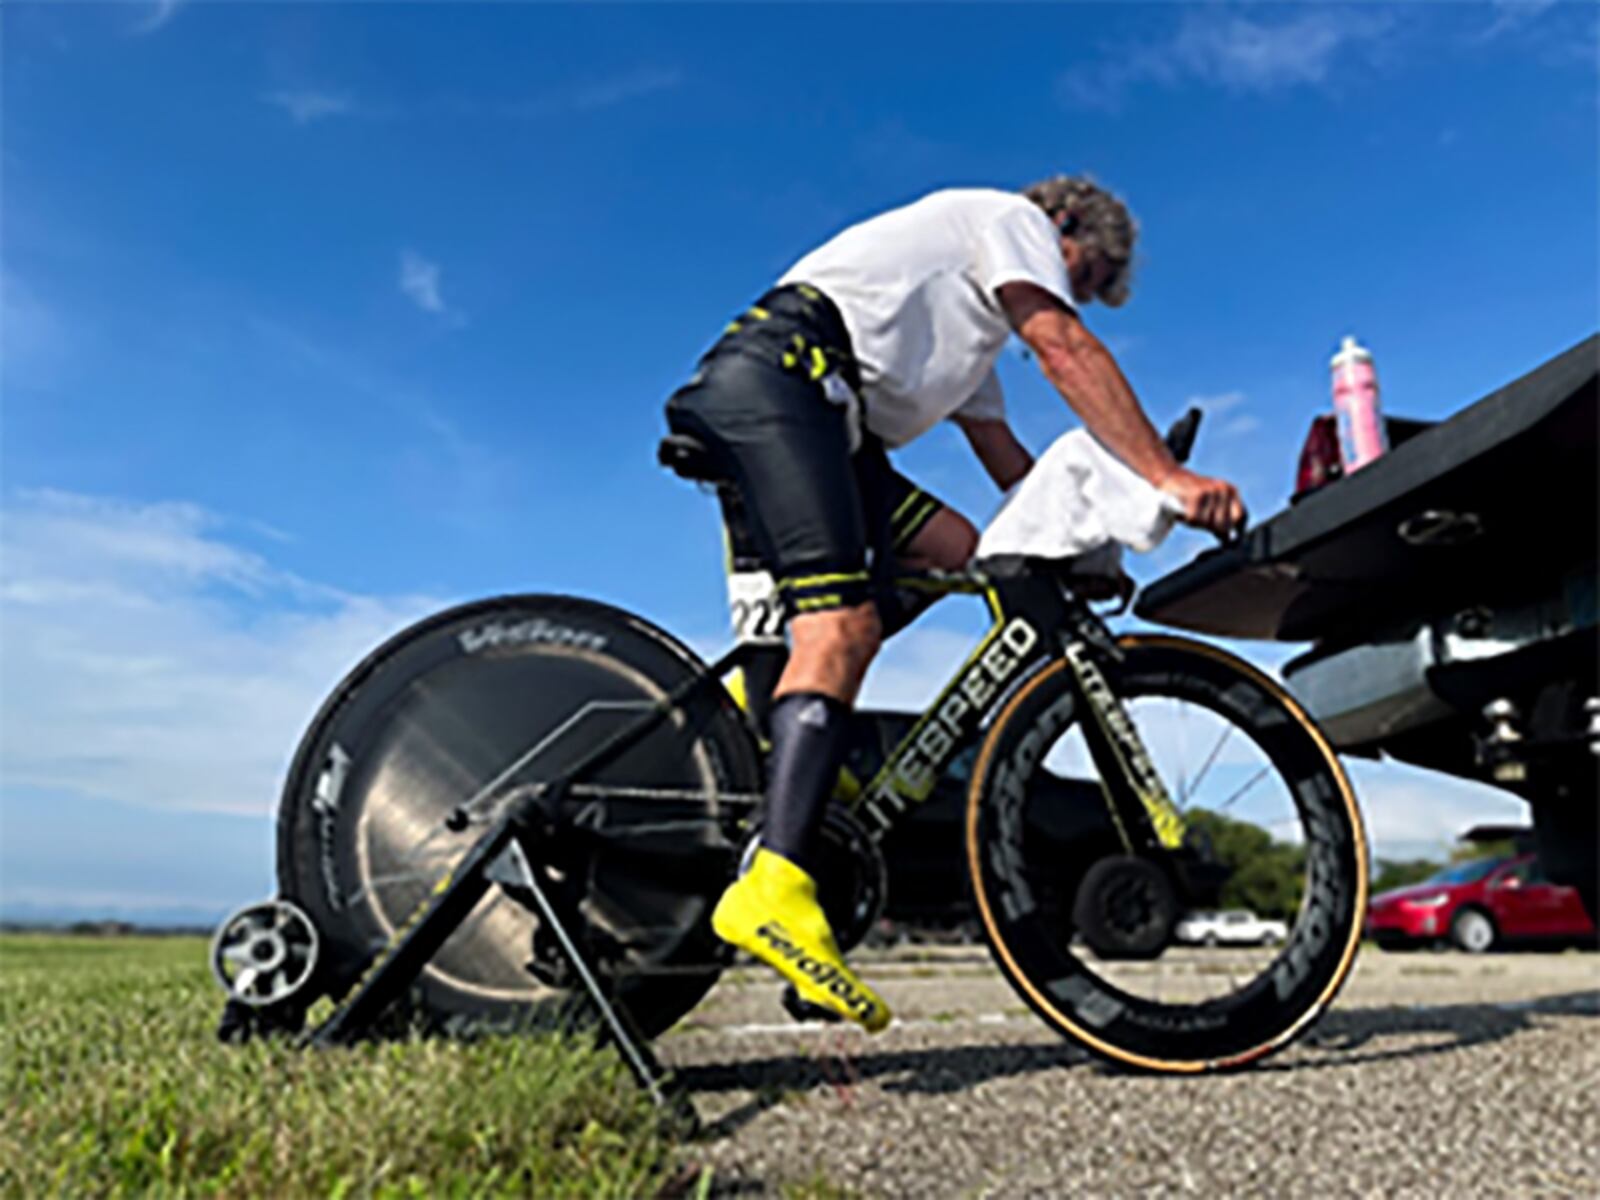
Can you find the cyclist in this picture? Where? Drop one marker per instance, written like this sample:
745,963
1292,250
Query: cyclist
864,344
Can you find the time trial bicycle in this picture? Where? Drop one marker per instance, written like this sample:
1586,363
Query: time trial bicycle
533,798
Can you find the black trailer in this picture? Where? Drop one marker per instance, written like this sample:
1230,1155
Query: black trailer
1448,591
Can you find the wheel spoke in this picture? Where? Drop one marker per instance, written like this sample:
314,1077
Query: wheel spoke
1254,779
379,881
1183,754
1227,731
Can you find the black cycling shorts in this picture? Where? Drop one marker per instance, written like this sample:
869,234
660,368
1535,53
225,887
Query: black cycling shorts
827,523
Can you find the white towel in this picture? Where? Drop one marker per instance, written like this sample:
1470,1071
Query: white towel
1081,502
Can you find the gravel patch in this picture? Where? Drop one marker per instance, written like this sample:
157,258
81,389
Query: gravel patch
1435,1074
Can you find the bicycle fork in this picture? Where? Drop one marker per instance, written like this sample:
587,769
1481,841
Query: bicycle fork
1141,808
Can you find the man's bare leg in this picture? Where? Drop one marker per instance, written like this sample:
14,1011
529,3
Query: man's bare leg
772,910
946,543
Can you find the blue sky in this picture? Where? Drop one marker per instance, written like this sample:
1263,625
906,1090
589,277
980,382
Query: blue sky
317,317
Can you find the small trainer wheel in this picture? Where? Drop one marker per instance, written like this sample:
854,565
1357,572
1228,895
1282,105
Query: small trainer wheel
264,953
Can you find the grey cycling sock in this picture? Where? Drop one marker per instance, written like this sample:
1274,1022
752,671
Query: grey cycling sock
808,742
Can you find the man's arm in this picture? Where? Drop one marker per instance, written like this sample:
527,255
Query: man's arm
1005,458
1089,380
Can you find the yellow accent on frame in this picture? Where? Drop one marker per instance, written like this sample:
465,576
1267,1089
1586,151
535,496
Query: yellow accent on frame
737,689
847,787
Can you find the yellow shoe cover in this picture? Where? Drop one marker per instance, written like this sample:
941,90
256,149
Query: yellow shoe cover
771,911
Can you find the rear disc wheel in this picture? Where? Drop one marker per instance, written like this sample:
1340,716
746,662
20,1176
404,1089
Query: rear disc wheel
471,705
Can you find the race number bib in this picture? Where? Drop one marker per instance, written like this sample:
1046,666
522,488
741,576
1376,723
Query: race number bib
754,607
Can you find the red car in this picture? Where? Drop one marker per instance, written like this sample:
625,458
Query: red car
1479,904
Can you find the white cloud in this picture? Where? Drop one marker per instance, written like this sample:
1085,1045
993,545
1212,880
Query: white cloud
466,477
619,89
586,96
159,13
1240,53
31,333
307,105
1513,14
152,658
419,279
419,282
592,96
1233,50
1411,812
1214,406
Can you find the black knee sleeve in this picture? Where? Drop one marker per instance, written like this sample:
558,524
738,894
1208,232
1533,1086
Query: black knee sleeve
808,742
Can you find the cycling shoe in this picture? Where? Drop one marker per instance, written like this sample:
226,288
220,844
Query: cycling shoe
771,911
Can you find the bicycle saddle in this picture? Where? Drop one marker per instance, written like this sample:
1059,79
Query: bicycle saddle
688,458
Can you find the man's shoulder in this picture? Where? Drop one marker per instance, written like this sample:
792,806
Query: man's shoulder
986,199
973,211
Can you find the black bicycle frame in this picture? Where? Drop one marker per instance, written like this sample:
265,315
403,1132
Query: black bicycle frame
1036,619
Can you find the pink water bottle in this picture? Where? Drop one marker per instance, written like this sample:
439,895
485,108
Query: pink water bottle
1362,436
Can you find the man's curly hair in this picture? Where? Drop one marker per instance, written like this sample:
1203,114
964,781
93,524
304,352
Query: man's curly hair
1105,229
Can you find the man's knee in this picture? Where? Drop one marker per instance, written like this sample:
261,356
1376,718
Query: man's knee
963,542
948,542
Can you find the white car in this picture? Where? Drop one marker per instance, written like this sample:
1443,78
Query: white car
1235,927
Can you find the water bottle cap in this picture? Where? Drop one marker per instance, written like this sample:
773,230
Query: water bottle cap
1351,351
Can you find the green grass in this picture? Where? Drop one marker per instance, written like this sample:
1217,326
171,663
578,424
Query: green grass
112,1084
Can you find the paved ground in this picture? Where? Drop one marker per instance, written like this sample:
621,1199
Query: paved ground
1435,1074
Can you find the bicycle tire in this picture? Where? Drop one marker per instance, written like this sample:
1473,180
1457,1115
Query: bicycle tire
439,711
1063,984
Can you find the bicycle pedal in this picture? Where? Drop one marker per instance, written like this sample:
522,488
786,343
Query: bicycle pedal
804,1010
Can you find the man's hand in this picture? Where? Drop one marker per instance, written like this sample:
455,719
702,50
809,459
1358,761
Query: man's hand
1090,381
1208,503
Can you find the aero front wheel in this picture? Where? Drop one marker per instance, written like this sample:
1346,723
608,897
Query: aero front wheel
1266,806
466,708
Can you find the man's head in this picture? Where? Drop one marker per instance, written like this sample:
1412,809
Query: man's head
1097,234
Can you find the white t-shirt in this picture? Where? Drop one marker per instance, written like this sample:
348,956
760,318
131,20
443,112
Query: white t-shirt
916,287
